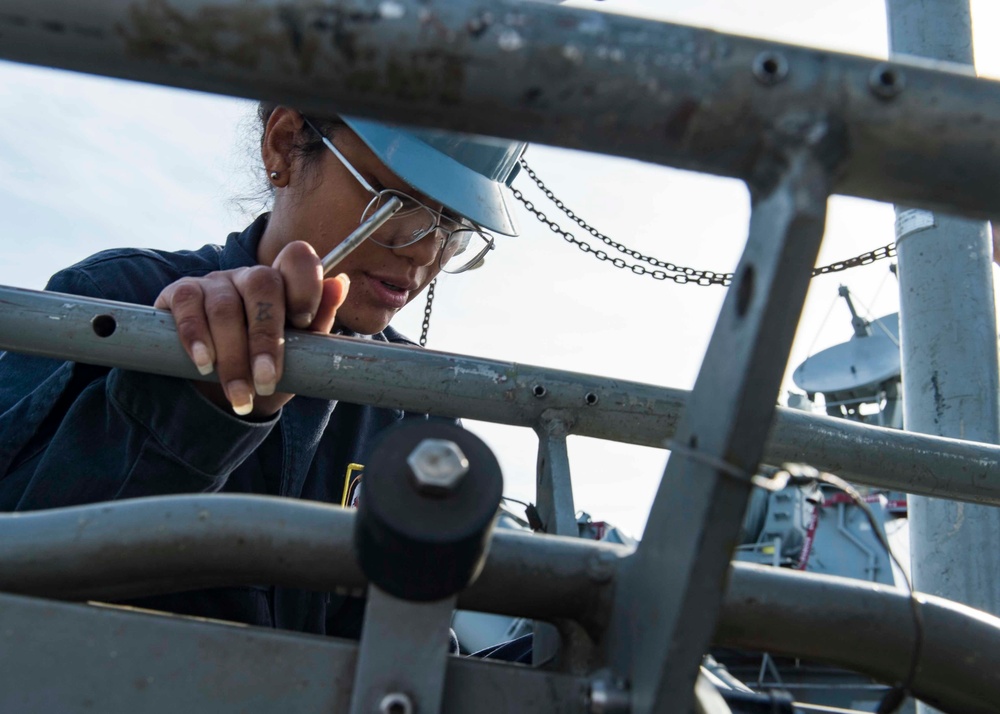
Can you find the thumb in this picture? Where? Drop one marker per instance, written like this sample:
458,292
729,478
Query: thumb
334,294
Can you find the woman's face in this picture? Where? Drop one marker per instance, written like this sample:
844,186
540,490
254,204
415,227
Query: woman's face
324,203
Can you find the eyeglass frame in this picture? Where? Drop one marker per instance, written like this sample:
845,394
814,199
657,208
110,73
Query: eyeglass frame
438,226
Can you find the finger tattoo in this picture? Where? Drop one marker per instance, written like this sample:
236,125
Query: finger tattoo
264,311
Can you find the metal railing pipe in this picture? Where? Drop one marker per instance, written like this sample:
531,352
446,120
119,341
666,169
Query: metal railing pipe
155,545
394,376
867,628
922,135
144,546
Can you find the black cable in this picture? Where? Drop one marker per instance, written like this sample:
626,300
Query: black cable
895,697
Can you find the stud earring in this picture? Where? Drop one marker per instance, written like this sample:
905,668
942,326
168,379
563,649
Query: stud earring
274,175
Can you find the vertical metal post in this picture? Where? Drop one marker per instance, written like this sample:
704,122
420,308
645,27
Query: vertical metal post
554,495
948,337
554,488
948,341
667,603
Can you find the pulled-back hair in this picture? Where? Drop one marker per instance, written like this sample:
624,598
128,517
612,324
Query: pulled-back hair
309,145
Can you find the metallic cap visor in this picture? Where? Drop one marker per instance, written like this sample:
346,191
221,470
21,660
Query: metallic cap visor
468,174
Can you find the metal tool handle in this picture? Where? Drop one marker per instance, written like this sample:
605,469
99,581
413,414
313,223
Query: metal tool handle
360,234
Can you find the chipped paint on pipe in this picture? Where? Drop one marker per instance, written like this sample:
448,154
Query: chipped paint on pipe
921,134
143,339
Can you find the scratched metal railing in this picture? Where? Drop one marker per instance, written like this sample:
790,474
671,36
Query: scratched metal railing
796,124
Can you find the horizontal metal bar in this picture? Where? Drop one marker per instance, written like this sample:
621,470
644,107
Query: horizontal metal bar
867,628
178,543
367,372
77,659
183,542
920,135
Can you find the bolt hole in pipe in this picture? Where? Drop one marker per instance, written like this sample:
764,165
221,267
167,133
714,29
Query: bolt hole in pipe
886,81
590,399
744,291
539,390
104,325
770,67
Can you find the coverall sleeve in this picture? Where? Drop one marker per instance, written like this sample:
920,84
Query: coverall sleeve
73,433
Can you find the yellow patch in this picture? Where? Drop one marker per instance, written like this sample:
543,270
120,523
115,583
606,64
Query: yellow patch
352,479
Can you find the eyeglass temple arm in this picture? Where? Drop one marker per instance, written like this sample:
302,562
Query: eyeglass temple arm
347,165
343,159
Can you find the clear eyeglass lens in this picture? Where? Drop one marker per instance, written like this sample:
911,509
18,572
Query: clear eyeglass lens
422,218
464,249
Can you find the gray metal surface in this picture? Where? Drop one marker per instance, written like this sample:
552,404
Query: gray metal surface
403,655
861,364
845,545
665,607
951,377
583,79
125,662
185,542
867,628
554,499
554,486
56,325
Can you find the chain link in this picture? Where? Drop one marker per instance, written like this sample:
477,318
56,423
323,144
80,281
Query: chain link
428,306
663,270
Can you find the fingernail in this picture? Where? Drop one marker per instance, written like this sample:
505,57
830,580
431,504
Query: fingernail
240,396
202,360
264,375
302,320
345,280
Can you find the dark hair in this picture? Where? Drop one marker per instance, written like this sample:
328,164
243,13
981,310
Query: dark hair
309,146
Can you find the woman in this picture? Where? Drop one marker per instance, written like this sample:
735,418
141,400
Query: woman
74,433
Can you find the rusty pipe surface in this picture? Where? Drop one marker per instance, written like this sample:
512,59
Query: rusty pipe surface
921,134
366,372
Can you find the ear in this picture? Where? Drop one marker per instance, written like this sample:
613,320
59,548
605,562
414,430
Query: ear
280,134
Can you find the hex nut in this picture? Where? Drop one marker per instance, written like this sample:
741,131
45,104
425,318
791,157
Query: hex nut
437,465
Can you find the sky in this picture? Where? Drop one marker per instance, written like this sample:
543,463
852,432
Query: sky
88,163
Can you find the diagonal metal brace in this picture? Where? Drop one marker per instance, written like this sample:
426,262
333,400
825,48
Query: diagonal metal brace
668,602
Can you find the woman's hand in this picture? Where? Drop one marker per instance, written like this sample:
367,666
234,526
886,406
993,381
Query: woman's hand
233,321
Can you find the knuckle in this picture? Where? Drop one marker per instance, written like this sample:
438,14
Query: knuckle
264,279
226,306
186,292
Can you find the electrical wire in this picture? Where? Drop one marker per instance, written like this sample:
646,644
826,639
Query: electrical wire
896,696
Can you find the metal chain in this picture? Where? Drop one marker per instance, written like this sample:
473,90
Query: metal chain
427,313
886,251
665,270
